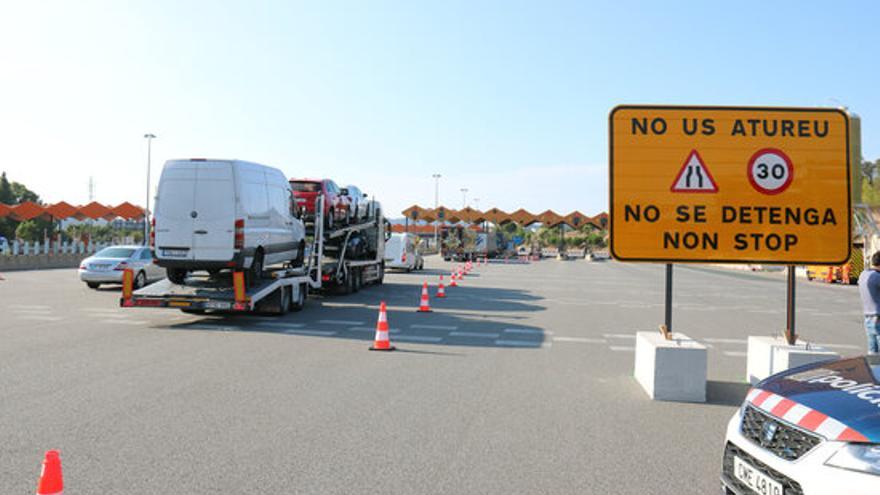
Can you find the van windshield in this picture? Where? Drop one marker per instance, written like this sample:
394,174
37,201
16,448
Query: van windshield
303,186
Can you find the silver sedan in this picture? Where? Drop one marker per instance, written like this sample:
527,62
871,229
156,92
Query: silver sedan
107,266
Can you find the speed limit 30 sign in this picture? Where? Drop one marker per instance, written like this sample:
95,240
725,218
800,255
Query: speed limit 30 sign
729,184
770,171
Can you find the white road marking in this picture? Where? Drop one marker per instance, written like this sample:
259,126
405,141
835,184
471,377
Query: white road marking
434,327
418,338
724,341
316,333
341,322
125,322
736,353
517,343
474,334
32,306
279,324
39,317
32,311
840,346
525,331
622,348
581,340
618,336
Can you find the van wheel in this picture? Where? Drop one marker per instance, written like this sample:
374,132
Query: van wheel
176,275
256,270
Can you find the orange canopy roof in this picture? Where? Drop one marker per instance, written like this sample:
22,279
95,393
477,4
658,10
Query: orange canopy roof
128,211
27,210
96,210
62,210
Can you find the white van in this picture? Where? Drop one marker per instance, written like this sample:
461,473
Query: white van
401,253
217,214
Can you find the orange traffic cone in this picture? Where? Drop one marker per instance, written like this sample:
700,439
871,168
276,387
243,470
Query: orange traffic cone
381,342
829,277
424,305
50,477
441,292
453,283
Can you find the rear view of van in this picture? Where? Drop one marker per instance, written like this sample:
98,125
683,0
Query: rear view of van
224,214
401,253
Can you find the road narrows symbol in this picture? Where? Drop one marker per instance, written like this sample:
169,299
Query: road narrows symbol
694,176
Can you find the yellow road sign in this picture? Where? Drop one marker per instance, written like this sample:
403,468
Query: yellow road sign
729,184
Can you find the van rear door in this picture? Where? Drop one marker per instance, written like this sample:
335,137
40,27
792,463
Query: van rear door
174,224
213,226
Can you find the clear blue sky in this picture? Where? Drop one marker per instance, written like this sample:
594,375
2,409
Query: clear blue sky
509,99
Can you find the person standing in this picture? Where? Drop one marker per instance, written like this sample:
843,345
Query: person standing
869,289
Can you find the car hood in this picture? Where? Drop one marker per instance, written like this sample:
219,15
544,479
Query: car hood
847,391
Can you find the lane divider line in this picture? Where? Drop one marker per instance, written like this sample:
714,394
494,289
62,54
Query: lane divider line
434,327
475,334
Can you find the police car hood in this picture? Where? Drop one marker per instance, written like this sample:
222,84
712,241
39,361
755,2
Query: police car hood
847,391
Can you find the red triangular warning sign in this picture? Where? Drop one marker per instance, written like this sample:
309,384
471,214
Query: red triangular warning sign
694,176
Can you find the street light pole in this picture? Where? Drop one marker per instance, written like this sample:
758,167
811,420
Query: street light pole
436,205
464,192
149,137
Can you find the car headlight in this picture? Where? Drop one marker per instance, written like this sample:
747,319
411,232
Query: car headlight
862,457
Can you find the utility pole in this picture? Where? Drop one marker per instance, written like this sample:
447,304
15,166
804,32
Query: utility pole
436,205
464,192
149,137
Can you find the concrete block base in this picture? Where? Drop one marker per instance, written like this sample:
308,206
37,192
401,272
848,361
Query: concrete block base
770,355
673,370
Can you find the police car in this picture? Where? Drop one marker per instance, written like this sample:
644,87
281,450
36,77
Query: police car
812,430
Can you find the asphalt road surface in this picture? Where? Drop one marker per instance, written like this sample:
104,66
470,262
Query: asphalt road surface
519,382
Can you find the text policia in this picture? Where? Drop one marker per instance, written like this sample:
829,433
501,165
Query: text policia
743,215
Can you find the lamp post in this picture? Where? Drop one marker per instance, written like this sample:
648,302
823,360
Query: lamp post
464,192
436,204
149,137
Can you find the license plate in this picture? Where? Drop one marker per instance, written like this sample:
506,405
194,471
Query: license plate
218,305
99,268
755,479
174,253
179,304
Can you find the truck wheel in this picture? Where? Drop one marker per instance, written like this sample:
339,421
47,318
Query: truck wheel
328,219
284,304
381,278
298,302
357,279
176,275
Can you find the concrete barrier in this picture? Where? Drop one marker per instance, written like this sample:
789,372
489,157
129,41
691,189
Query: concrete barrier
41,261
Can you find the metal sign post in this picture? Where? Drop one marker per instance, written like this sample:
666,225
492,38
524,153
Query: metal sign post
666,328
790,332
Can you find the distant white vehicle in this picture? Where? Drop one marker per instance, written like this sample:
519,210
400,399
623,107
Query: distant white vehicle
224,214
107,266
401,253
4,245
